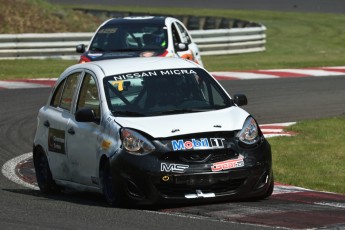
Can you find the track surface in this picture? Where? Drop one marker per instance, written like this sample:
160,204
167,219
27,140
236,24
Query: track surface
274,100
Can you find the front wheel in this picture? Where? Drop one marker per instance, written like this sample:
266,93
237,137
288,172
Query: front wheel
43,174
112,193
270,188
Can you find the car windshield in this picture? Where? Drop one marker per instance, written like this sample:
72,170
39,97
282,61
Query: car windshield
164,92
130,37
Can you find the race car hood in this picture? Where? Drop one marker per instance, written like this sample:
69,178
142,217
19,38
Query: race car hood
228,119
97,56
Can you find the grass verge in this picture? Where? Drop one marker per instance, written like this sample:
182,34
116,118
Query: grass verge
314,158
30,68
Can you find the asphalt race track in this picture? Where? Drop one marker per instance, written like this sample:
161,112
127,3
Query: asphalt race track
273,100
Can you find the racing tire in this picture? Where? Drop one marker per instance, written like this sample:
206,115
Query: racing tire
269,190
43,174
112,194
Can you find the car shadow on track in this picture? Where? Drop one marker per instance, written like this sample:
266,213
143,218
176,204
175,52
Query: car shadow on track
95,199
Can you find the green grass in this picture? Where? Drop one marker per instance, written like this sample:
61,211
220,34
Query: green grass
24,69
314,158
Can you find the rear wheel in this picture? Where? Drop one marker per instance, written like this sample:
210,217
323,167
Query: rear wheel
43,174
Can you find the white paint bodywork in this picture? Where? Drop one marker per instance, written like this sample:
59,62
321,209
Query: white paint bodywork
172,125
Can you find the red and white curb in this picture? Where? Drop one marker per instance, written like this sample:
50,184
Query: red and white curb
278,129
9,170
28,83
226,75
280,73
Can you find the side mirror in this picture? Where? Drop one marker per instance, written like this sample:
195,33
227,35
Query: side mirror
240,99
80,48
181,47
86,115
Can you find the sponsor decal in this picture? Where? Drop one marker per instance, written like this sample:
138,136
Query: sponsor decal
106,144
194,144
165,178
199,194
175,168
56,141
153,73
228,164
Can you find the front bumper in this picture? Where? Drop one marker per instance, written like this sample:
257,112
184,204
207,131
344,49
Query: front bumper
146,181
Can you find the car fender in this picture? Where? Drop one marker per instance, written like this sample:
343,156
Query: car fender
109,138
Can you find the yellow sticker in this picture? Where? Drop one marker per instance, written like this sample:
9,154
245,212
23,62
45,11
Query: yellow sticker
119,85
106,144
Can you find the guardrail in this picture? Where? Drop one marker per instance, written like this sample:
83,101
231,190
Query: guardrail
63,45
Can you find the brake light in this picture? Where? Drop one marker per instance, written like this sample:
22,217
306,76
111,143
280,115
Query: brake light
164,54
84,59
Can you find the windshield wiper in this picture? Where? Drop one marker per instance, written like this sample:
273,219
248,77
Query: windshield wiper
96,49
123,50
128,113
179,111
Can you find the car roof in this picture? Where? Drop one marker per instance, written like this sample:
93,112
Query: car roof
128,65
160,20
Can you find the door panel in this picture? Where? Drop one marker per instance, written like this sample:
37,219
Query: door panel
82,144
55,119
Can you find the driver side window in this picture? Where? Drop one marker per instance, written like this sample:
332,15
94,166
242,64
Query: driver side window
88,95
184,34
64,92
175,35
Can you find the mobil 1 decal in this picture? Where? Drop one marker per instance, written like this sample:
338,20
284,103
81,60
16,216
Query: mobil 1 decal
56,141
197,144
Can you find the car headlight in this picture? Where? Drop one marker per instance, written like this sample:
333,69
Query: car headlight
249,134
135,143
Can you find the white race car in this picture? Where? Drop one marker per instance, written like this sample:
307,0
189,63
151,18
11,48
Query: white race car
149,130
140,37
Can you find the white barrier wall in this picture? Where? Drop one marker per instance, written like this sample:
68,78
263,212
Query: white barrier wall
63,45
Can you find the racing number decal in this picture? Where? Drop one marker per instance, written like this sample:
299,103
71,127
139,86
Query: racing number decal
119,85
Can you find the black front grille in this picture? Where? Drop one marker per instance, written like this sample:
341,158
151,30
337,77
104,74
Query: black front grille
180,185
200,156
